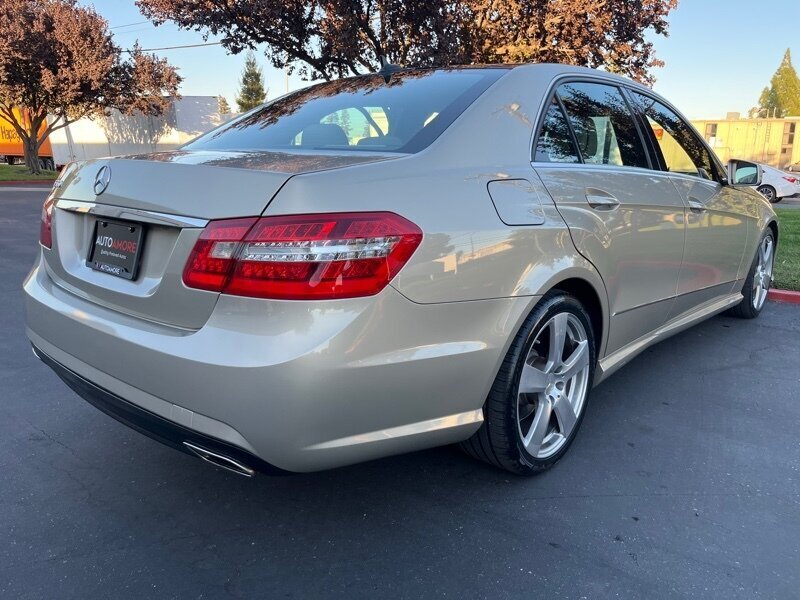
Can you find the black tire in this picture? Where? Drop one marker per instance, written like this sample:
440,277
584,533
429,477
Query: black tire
498,441
769,193
746,309
49,165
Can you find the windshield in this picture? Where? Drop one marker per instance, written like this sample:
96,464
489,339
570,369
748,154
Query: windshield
362,113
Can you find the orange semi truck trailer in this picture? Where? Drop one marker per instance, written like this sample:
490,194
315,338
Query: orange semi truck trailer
11,149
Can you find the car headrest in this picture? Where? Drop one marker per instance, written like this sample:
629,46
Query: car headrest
586,133
324,134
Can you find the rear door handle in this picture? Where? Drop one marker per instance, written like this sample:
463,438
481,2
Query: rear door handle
601,200
697,206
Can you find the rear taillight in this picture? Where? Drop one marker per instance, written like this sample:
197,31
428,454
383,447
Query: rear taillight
212,259
302,257
791,179
46,225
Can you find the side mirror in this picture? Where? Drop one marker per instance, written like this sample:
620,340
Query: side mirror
742,172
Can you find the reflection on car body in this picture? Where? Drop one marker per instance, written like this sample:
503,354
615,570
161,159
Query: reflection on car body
368,267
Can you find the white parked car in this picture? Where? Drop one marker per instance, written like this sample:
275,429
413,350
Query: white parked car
777,185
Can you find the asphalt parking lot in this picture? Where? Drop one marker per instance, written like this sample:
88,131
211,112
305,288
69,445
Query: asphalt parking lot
684,482
793,202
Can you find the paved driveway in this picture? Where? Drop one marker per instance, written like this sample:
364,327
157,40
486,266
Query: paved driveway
684,482
793,202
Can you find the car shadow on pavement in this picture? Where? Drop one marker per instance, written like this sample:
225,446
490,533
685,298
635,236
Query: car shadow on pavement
662,473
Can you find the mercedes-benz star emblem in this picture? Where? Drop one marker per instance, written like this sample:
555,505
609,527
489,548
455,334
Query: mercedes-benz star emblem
102,179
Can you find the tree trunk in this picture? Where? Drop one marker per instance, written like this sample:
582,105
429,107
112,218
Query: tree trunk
31,148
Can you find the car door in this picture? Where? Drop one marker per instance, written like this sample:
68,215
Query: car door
716,226
623,216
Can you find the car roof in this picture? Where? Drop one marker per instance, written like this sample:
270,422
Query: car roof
558,69
546,70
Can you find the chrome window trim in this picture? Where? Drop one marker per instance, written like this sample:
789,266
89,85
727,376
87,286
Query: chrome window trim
648,93
130,214
603,168
567,78
621,86
626,86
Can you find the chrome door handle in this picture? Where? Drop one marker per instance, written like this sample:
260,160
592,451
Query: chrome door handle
697,206
601,201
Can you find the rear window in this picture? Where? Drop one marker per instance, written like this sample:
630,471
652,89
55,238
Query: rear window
357,114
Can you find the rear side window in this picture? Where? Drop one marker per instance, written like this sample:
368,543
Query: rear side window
555,143
361,113
681,148
603,124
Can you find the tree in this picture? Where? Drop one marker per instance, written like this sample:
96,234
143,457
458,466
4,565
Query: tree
222,105
59,59
326,40
251,86
782,97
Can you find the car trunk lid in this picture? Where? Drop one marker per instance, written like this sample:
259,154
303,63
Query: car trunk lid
171,196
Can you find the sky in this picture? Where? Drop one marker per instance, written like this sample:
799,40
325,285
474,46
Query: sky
719,55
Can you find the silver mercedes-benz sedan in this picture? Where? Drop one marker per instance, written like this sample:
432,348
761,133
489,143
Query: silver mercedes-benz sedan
393,262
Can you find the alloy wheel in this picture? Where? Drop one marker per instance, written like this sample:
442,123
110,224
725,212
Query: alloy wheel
553,385
762,278
767,192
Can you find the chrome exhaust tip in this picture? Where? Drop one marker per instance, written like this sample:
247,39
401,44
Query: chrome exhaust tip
218,460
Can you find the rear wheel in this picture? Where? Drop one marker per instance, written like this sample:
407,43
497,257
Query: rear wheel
759,280
769,193
538,400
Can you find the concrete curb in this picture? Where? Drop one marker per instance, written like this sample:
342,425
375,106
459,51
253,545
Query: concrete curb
785,296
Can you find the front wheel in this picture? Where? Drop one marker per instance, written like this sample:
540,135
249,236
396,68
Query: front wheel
538,399
759,280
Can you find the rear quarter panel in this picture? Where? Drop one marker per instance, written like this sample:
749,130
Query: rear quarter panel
468,252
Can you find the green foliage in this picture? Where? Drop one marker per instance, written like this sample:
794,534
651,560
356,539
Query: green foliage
20,173
787,261
251,87
782,97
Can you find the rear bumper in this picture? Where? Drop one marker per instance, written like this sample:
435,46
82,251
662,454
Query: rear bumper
152,425
299,386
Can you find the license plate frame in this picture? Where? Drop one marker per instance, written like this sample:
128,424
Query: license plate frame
119,252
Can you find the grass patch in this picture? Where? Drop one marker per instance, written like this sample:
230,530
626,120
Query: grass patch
21,173
787,261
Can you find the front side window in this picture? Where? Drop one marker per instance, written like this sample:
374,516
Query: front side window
603,124
361,113
681,148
